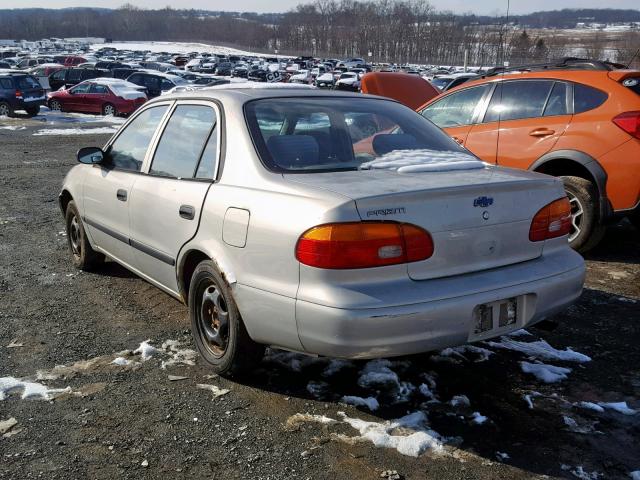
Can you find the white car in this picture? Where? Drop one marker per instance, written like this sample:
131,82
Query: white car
342,225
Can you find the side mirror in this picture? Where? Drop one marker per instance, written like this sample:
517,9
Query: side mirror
90,155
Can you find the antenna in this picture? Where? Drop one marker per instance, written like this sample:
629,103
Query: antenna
633,58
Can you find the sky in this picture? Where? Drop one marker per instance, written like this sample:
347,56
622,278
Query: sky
460,6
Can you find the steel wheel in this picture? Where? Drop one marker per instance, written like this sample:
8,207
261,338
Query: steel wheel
55,105
109,110
214,319
4,109
75,236
577,216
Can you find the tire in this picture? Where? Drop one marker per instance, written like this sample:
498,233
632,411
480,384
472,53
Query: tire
218,330
55,105
83,256
635,220
5,110
33,111
109,110
587,229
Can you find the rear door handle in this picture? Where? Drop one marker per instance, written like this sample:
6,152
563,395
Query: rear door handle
459,140
122,195
187,211
541,132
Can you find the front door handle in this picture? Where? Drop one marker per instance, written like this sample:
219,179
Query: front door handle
187,211
122,195
541,132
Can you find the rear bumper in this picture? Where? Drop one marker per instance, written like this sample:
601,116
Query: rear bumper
546,285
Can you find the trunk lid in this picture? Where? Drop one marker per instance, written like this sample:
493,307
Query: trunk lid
479,219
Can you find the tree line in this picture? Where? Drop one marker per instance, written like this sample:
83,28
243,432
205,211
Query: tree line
400,31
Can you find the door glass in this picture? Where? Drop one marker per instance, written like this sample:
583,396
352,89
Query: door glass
167,85
129,149
456,109
209,160
79,89
182,141
59,75
557,103
518,99
74,75
100,89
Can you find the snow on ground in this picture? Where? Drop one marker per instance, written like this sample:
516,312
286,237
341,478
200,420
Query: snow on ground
377,375
214,389
590,406
635,475
540,349
173,47
409,435
581,473
478,419
370,402
28,389
529,398
545,373
13,127
620,407
76,131
460,401
146,350
459,352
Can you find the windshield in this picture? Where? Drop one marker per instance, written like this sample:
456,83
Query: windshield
329,134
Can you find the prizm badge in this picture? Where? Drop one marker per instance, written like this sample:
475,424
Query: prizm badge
483,202
383,212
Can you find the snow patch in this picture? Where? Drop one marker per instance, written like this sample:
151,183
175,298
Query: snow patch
370,402
635,475
620,407
376,374
28,389
545,373
146,350
460,401
408,435
540,349
177,355
121,361
215,390
590,406
478,419
483,353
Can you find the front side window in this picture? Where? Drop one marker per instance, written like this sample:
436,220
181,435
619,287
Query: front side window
456,109
127,152
59,75
182,142
327,134
518,99
74,75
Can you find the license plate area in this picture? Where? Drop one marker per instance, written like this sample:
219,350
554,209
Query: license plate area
495,318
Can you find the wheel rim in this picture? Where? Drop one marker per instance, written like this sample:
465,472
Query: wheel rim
577,217
56,106
109,110
4,110
75,236
213,321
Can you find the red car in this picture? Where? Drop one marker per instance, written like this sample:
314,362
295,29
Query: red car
108,96
73,60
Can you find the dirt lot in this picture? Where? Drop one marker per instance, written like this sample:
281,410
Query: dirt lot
137,419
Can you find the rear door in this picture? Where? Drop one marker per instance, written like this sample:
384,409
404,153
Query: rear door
458,112
166,203
532,114
96,97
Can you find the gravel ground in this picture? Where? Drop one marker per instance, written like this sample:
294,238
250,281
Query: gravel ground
139,420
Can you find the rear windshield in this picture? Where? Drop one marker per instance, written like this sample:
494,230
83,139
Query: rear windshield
27,82
329,134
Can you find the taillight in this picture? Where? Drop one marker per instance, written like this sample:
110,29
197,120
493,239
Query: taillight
551,221
18,94
629,122
363,245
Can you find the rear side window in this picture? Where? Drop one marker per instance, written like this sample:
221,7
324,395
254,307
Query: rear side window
586,98
101,89
127,152
182,141
26,83
557,102
59,75
74,75
6,83
518,99
632,84
456,109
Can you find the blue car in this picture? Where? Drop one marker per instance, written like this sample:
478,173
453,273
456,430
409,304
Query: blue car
20,91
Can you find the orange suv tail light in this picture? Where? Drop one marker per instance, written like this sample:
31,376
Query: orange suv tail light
629,122
553,220
363,245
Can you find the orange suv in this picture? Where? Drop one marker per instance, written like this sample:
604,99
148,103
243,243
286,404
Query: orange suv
575,119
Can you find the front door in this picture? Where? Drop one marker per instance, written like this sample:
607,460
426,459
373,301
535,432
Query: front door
108,187
166,203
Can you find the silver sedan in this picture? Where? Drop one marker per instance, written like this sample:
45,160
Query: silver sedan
328,223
